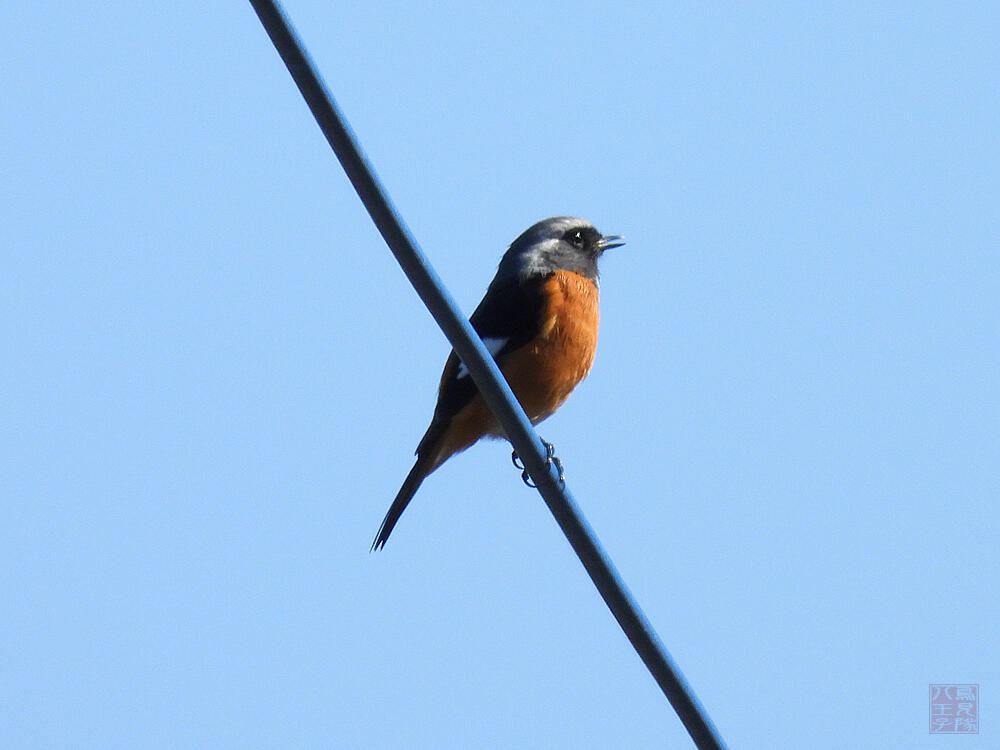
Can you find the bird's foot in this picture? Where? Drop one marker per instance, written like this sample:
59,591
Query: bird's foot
550,458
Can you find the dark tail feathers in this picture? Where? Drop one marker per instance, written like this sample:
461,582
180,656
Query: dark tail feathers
417,474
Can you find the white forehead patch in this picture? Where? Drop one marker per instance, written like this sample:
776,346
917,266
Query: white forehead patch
492,346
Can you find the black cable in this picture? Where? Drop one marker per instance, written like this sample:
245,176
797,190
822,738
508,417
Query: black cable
488,379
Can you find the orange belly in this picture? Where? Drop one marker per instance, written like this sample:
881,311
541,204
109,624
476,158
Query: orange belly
545,371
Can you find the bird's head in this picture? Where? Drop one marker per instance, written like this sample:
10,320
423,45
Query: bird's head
562,243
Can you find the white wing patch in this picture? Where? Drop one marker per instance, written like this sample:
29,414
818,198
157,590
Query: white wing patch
492,346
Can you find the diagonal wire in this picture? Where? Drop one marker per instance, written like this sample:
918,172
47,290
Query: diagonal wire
488,379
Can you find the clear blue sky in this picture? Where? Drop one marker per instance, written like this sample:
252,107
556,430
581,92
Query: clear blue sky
213,375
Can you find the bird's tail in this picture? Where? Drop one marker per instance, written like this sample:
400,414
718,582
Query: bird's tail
423,466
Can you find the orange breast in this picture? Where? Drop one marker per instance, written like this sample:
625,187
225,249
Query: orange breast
543,373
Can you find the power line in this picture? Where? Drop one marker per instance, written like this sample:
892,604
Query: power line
488,379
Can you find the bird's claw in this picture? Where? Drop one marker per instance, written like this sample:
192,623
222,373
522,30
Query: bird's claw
550,458
525,476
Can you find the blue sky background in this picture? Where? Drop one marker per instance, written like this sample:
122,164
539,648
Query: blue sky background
214,375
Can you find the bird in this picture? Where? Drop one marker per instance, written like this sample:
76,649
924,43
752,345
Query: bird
539,320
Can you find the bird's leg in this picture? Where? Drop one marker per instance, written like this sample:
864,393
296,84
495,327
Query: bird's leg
550,458
525,476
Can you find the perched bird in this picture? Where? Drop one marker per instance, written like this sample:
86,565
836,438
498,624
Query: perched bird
539,320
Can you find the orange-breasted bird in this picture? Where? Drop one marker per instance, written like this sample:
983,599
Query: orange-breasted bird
539,320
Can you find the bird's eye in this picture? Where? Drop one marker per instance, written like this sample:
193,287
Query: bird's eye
575,238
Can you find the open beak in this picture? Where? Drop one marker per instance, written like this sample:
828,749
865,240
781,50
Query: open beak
610,241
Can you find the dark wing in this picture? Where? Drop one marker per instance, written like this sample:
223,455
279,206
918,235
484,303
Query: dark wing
511,312
508,318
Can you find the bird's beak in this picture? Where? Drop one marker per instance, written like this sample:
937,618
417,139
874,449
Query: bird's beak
610,241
